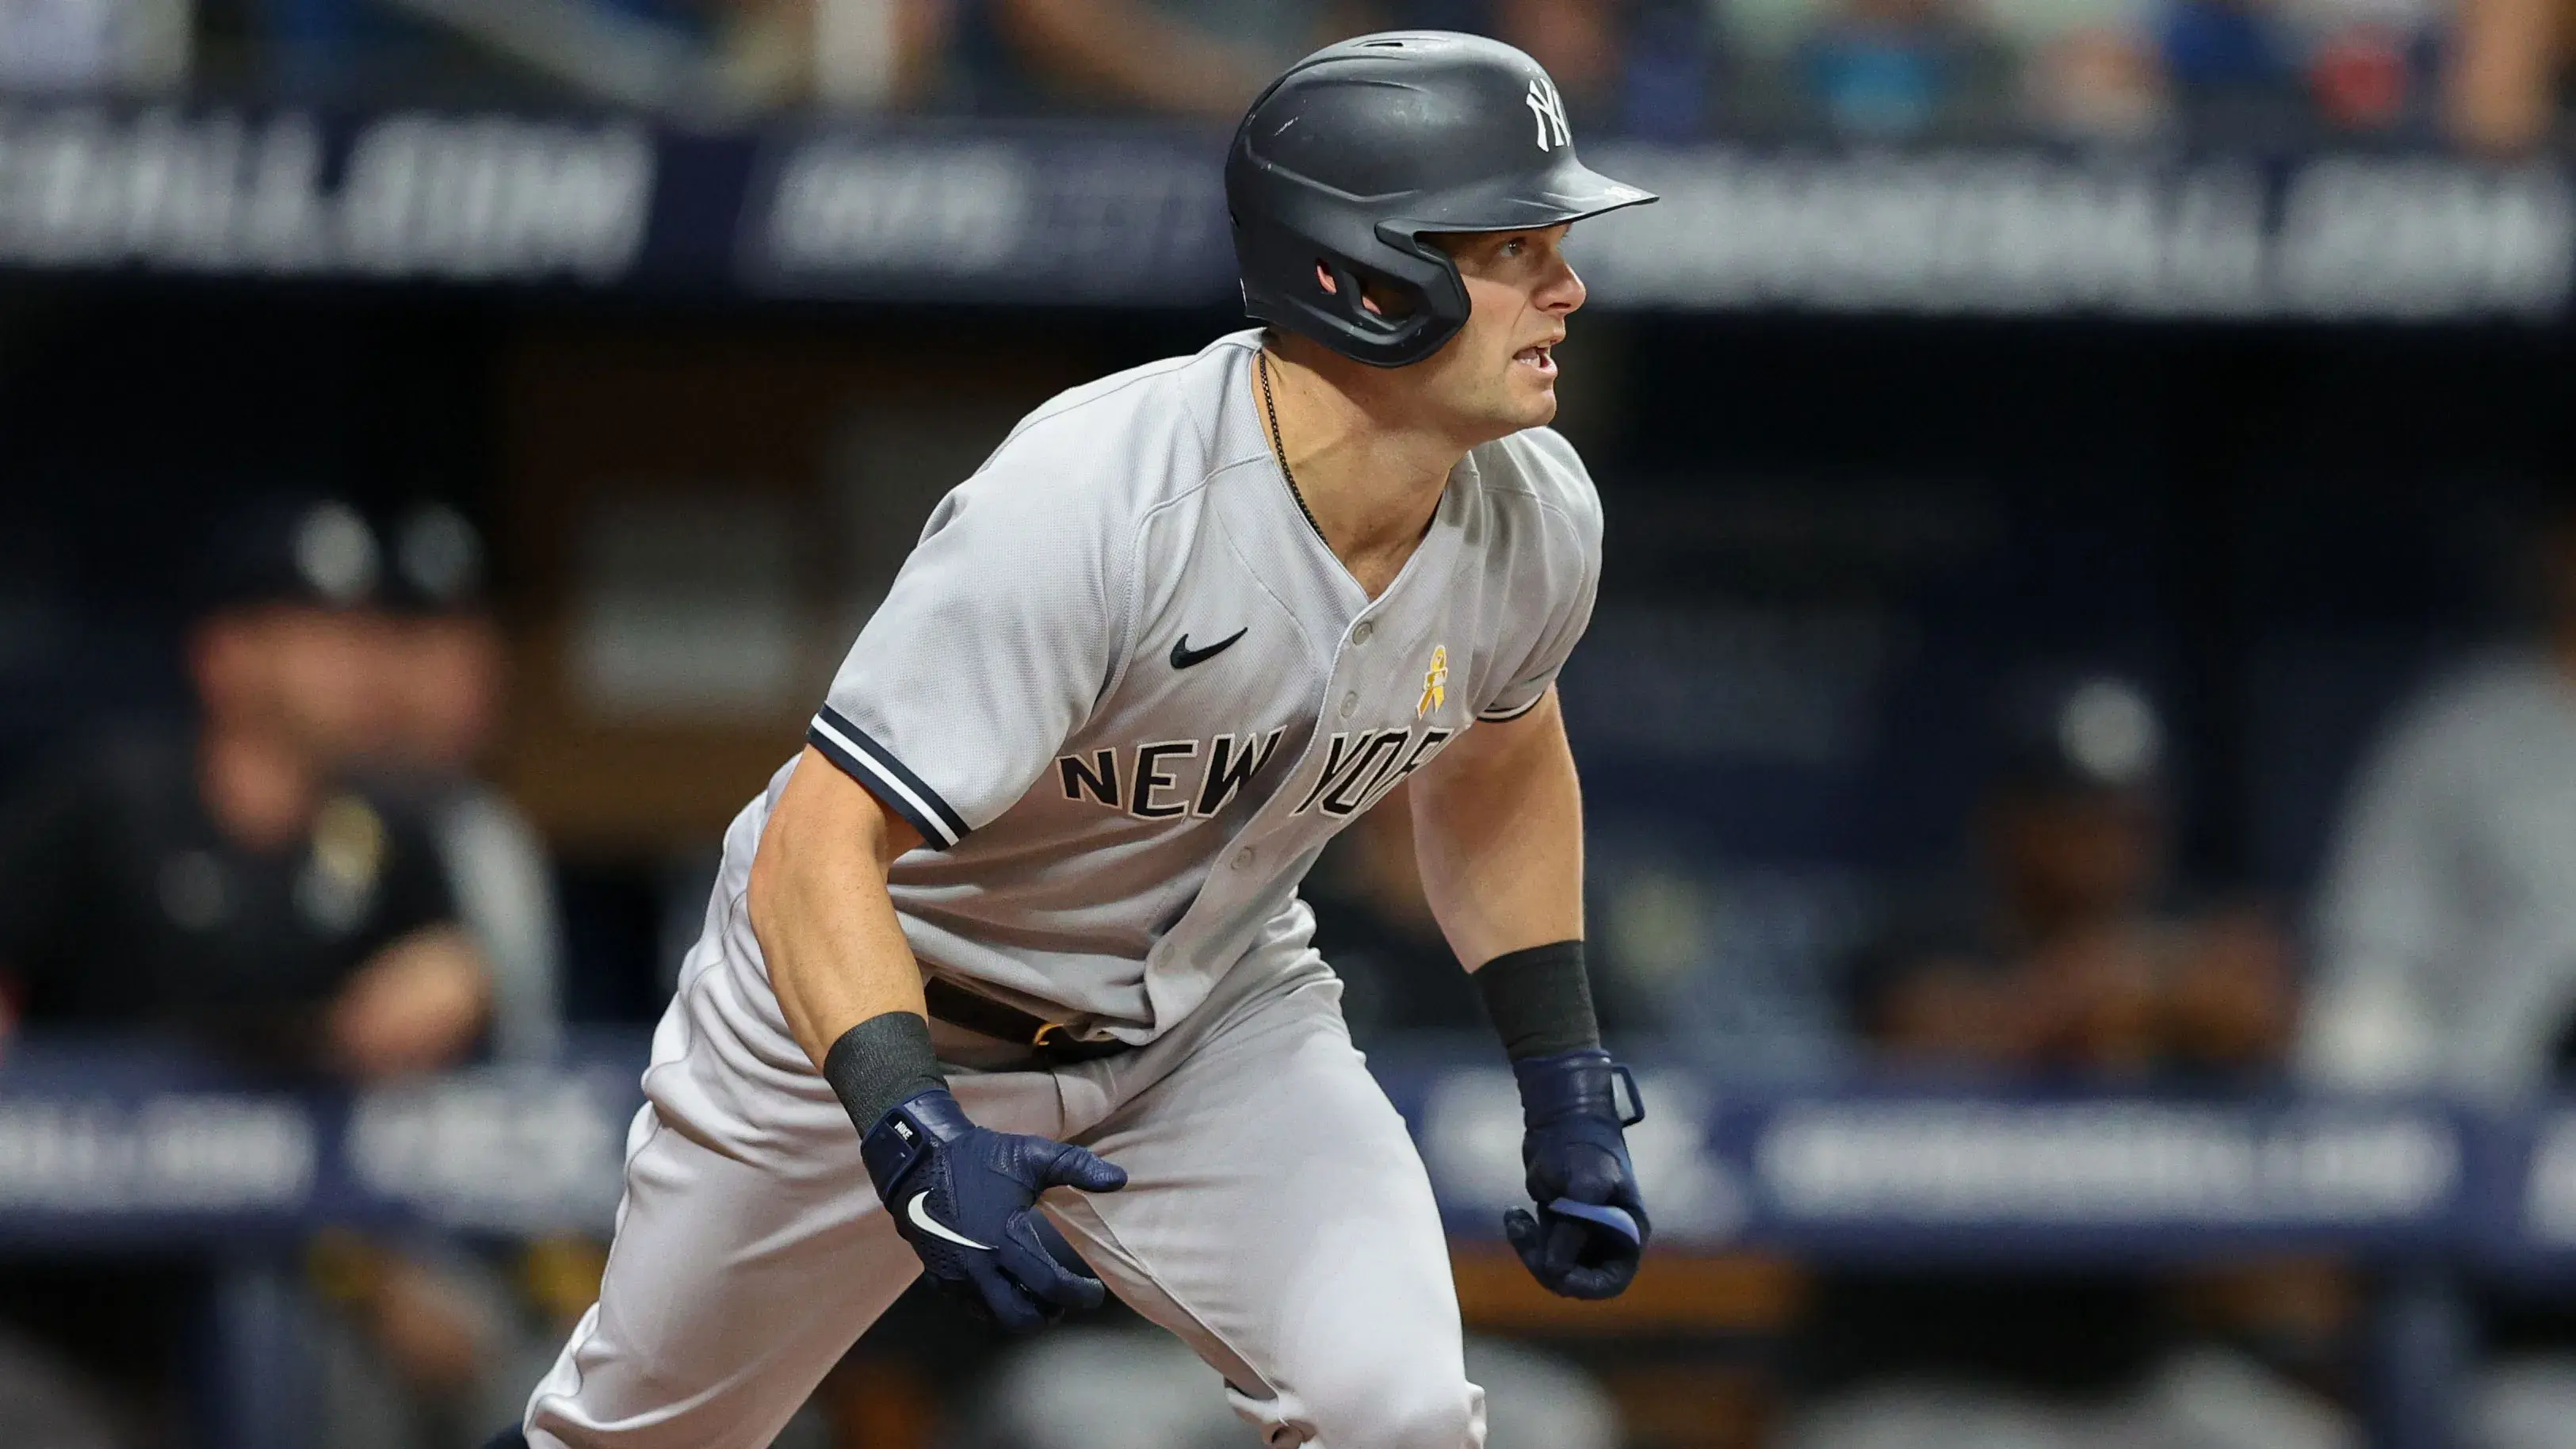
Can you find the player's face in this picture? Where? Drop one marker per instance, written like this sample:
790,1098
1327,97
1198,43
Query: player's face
1499,373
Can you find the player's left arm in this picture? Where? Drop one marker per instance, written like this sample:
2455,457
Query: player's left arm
1498,829
1498,834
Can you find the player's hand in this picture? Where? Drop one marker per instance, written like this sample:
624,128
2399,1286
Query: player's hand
1590,1229
964,1197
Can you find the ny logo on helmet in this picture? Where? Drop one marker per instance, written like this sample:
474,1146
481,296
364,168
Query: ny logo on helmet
1549,107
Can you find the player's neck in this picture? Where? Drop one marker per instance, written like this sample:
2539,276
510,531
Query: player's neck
1370,474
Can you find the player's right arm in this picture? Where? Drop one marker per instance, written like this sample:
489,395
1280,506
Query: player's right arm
819,907
962,1195
992,645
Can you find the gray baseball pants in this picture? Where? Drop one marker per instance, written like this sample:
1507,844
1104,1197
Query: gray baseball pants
1277,1218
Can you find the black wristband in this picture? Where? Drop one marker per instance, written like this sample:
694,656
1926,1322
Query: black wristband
1540,1000
881,1063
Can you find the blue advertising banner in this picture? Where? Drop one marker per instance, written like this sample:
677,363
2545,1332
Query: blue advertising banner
1133,216
107,1147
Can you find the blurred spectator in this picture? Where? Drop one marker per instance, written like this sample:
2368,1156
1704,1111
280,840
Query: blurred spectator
2067,958
2067,962
1207,59
2226,57
2446,928
859,54
444,673
92,44
226,880
2088,68
1888,69
1581,42
2506,60
1200,58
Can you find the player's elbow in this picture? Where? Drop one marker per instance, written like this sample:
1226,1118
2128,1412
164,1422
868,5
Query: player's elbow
826,834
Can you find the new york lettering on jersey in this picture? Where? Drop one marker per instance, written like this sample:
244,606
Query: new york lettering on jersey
1120,668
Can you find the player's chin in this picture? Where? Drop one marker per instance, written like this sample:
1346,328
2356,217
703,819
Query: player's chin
1532,405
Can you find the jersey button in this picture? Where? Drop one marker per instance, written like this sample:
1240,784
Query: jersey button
1361,634
1243,858
1350,703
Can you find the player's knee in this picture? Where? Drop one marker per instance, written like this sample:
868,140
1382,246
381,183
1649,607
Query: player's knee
1426,1412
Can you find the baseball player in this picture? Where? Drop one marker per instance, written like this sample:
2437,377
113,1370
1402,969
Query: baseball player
1024,911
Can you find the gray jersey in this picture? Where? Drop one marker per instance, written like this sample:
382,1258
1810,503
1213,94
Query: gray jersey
1126,693
2447,923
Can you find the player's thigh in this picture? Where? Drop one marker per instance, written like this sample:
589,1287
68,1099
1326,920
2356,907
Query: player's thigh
1278,1218
730,1291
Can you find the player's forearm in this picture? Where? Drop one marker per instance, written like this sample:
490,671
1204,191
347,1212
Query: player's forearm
1498,833
818,904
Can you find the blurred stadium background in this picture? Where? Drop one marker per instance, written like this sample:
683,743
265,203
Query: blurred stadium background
2080,728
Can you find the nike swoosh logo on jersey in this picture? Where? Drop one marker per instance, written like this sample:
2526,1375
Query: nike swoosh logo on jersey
1183,656
919,1212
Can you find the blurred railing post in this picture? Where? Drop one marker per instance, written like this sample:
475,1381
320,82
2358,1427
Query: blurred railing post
2421,1340
257,1384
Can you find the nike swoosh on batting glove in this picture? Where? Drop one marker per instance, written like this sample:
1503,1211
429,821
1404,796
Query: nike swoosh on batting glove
964,1197
1590,1229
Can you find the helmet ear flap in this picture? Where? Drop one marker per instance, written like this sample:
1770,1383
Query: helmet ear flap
1380,298
1285,275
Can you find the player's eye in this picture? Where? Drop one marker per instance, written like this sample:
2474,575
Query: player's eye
1512,247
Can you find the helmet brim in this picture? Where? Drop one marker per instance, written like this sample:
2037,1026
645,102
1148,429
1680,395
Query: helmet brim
1568,191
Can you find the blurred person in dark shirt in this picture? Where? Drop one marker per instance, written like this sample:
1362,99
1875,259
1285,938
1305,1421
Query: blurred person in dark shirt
2067,960
227,884
445,675
2067,956
226,880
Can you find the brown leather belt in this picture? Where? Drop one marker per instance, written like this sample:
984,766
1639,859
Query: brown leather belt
1052,1042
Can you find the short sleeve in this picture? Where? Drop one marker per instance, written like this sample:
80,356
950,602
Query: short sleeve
994,644
1572,577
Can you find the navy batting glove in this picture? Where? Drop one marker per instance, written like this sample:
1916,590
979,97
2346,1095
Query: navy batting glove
964,1197
1590,1228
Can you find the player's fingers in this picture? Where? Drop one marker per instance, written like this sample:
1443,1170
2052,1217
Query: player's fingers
1521,1227
1078,1167
1024,1255
1566,1240
1011,1306
1607,1281
1057,1247
1593,1177
1607,1217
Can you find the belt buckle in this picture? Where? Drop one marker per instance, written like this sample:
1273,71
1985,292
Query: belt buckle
1052,1035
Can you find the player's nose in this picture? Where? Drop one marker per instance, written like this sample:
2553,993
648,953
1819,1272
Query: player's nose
1563,293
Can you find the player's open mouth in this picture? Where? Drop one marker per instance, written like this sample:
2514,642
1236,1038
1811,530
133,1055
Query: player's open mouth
1541,358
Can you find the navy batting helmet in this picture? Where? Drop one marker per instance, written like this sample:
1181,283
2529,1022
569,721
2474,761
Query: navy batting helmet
1361,149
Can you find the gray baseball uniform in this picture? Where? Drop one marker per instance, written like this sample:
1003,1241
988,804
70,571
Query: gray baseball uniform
1126,694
